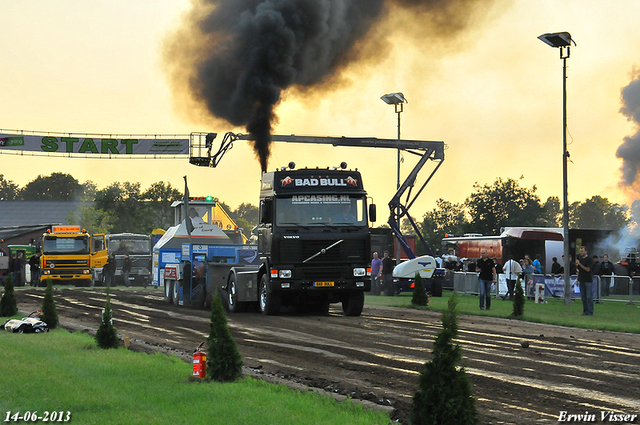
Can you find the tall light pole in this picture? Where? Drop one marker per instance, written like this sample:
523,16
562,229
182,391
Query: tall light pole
397,100
563,41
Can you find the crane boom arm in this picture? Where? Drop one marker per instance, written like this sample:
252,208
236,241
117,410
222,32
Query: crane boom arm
427,150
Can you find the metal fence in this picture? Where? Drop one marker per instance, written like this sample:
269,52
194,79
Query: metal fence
609,288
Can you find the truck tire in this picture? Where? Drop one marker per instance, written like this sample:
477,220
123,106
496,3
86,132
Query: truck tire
168,290
353,304
176,292
233,305
268,302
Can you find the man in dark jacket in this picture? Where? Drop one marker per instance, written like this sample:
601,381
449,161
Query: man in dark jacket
486,277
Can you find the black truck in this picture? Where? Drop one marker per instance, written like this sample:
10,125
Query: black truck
313,243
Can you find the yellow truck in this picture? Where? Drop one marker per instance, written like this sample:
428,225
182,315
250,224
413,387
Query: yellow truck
71,255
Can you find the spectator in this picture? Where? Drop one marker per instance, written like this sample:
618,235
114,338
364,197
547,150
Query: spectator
597,266
537,266
376,274
512,269
528,271
585,276
17,267
486,277
387,274
109,270
606,269
34,264
555,266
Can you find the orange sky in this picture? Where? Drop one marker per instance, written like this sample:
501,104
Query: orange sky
492,94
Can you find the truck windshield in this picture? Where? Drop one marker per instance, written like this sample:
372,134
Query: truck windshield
131,246
321,210
66,245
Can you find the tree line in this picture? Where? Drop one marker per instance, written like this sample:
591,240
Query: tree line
505,203
125,207
119,207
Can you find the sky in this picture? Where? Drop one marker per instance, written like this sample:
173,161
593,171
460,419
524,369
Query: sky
491,91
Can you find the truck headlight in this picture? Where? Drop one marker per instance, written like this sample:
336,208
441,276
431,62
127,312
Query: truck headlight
359,272
285,274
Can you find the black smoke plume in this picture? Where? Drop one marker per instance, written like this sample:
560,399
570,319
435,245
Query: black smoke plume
629,150
237,56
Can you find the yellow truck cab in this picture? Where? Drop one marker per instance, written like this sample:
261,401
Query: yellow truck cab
71,255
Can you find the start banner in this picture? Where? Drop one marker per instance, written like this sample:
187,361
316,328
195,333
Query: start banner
94,145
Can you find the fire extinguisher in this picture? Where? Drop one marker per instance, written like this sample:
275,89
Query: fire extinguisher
200,362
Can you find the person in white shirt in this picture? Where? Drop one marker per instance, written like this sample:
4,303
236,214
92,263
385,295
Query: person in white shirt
512,269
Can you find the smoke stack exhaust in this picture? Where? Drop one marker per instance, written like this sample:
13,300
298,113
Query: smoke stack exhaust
237,56
629,150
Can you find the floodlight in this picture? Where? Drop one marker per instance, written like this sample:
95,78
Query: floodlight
557,39
394,98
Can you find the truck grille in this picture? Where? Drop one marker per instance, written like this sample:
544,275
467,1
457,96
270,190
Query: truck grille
296,251
323,273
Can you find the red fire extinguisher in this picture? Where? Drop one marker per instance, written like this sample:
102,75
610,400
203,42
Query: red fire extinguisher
200,362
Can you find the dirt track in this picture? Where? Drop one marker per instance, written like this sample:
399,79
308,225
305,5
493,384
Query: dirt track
377,357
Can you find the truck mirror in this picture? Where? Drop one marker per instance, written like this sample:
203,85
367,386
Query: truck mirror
372,212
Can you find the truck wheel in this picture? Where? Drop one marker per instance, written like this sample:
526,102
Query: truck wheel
233,304
268,301
352,306
168,290
176,292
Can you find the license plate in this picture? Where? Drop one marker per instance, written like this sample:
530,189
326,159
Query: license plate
323,283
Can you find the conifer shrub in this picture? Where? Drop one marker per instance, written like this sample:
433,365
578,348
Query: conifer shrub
8,305
49,314
420,296
518,300
224,363
107,335
444,394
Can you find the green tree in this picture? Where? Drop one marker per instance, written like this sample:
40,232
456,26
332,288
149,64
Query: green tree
159,197
9,191
125,209
88,216
49,313
445,218
224,363
107,335
420,296
56,187
598,213
444,394
504,203
8,305
552,212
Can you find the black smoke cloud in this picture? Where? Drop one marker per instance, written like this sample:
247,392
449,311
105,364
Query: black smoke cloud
237,56
629,150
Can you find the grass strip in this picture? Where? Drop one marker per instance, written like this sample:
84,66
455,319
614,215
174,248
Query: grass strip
62,371
609,315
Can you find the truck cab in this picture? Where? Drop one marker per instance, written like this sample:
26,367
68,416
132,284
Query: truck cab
313,239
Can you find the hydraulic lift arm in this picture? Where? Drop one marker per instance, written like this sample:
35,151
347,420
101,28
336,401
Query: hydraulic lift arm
202,143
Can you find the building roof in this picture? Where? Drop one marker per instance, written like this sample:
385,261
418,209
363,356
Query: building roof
36,213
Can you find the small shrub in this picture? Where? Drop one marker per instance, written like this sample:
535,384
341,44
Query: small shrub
444,396
107,335
420,296
49,314
8,305
518,300
224,363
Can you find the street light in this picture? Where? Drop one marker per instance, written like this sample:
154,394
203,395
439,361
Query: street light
563,41
397,100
